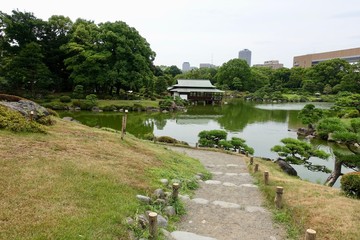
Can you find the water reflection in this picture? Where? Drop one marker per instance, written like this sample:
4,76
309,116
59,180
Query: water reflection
262,126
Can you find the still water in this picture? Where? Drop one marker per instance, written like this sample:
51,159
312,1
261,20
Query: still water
261,125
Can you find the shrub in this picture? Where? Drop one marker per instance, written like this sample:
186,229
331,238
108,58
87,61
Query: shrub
92,98
14,121
55,106
108,108
65,99
52,112
350,184
166,139
149,136
84,105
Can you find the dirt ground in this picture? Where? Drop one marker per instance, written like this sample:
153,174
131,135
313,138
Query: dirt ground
227,207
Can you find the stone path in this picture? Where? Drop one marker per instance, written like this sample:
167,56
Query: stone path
227,207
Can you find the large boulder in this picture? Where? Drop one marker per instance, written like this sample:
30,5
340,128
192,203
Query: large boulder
27,108
286,167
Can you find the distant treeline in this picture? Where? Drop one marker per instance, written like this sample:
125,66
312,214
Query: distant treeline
111,58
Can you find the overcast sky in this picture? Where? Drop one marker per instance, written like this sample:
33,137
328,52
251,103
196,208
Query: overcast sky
214,31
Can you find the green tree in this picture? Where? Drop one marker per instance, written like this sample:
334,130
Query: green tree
211,138
26,70
310,115
172,70
328,72
161,84
299,152
350,137
235,74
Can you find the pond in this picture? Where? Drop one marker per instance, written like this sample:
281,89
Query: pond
261,125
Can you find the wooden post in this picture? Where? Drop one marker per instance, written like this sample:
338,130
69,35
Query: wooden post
31,115
310,234
196,145
123,127
247,153
251,160
125,120
175,192
256,167
266,178
278,197
153,225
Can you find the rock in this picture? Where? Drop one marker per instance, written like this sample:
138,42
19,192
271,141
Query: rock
143,199
25,107
70,119
161,221
129,221
166,234
164,181
160,201
143,221
169,211
77,109
159,193
199,176
95,109
180,235
286,167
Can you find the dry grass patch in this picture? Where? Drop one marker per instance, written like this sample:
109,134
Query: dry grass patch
310,205
78,182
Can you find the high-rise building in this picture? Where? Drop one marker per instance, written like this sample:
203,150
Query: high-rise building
245,55
273,64
350,55
206,65
186,67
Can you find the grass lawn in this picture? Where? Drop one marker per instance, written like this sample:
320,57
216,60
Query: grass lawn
309,205
77,182
144,103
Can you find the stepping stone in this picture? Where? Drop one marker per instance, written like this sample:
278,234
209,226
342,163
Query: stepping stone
226,204
210,166
254,209
232,165
180,235
244,174
228,184
217,173
213,182
200,201
184,197
231,174
248,185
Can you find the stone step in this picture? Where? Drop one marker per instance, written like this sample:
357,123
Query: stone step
180,235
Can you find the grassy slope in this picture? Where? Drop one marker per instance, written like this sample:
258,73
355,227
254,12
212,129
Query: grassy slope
78,182
309,205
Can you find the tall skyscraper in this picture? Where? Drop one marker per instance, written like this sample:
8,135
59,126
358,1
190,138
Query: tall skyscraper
245,55
186,67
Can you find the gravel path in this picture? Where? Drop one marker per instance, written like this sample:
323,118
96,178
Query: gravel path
227,207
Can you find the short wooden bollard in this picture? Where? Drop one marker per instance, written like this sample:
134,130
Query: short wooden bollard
256,168
266,178
247,153
175,192
278,197
310,234
31,115
153,225
251,160
196,145
123,127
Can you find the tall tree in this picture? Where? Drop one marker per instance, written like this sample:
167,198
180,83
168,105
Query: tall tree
350,137
234,74
27,71
328,72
